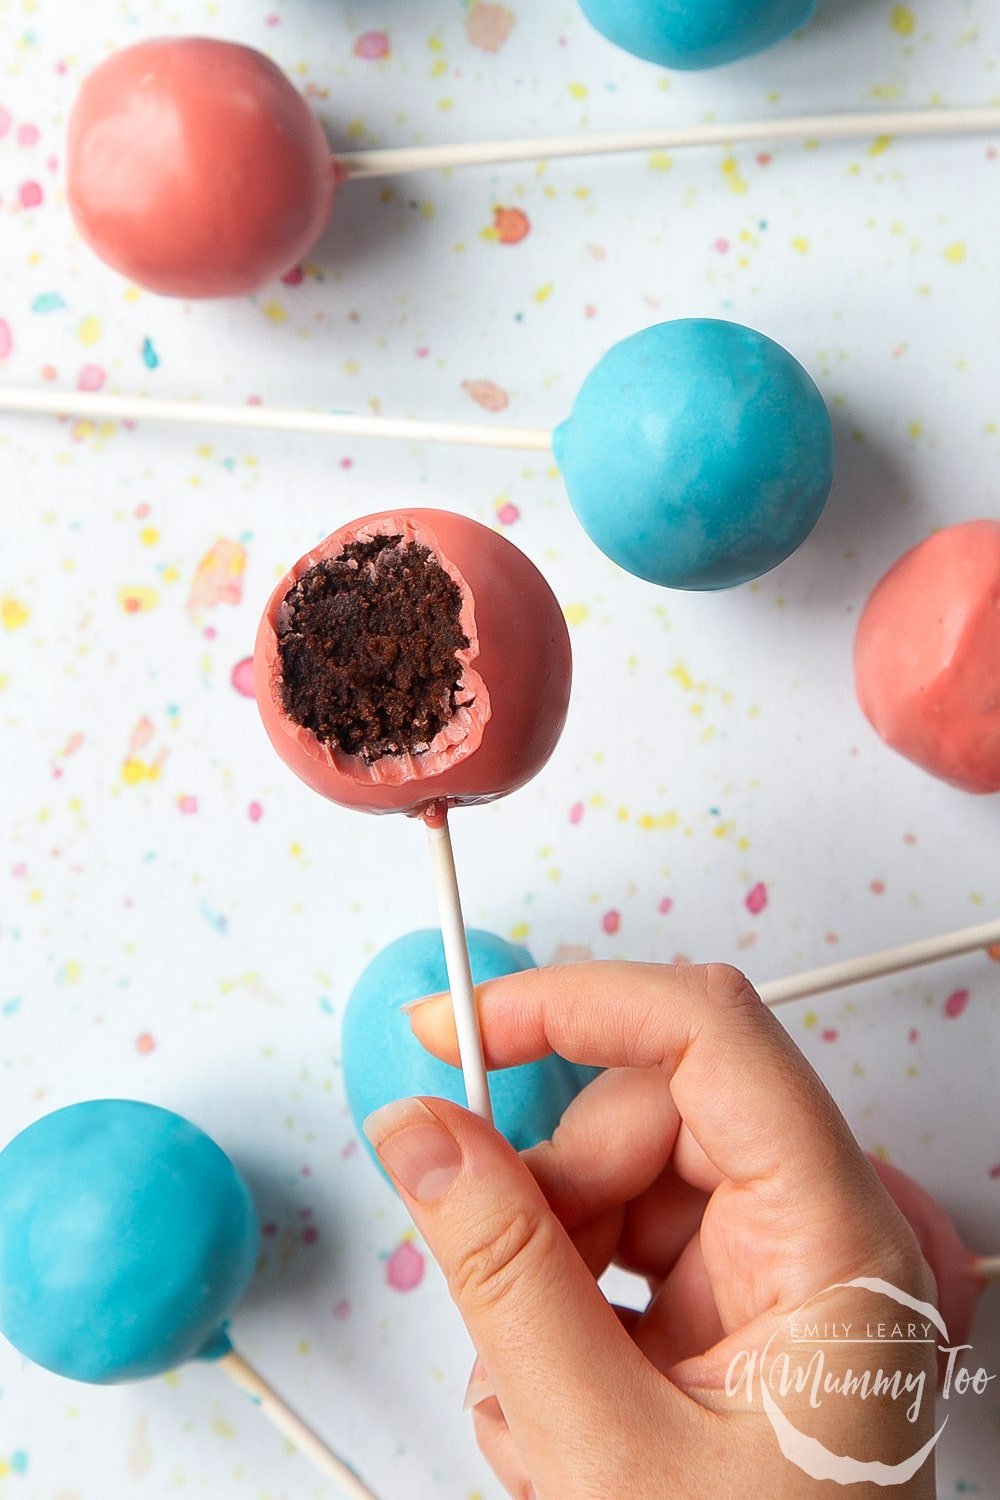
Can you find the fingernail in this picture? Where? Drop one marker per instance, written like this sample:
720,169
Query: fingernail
479,1388
412,1005
415,1148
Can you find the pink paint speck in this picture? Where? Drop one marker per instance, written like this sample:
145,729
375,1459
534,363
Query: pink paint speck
30,194
956,1003
349,1149
6,339
27,135
830,1035
255,812
372,46
995,1172
269,1230
342,1310
756,899
145,1044
611,922
241,677
576,814
508,514
294,277
764,158
90,378
877,887
721,246
19,870
665,907
187,805
913,1035
404,1269
210,632
310,1234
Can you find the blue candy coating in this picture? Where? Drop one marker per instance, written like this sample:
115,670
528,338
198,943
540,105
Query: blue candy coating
693,34
699,454
384,1061
126,1237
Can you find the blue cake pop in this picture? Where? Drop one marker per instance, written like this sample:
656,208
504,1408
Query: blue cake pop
126,1237
699,454
692,34
383,1060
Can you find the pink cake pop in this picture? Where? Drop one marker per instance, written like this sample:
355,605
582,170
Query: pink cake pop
414,658
960,1282
927,656
196,168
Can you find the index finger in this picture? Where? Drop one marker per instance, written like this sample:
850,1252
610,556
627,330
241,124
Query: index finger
742,1087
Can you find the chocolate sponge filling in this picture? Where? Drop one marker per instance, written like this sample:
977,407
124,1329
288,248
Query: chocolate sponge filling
368,643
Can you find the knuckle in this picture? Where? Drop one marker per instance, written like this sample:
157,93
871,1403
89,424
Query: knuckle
728,987
520,1244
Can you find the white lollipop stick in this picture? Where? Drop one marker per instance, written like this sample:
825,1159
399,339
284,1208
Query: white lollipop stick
291,1425
876,965
880,123
456,954
102,408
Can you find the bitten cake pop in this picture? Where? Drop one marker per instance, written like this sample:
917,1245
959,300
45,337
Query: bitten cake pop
416,661
197,169
383,1061
693,34
699,454
927,656
126,1238
413,658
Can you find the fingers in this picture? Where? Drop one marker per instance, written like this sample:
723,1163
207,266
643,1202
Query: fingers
535,1314
752,1103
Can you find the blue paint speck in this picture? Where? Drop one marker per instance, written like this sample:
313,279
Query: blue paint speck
47,302
19,1462
325,1006
10,1006
150,358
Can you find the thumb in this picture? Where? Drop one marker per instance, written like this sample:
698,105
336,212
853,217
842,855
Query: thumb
566,1374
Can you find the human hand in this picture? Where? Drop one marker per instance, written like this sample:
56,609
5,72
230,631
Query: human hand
711,1160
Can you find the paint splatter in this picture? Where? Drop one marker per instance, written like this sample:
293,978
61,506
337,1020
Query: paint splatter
30,194
488,25
665,907
150,358
145,1044
255,812
829,1034
508,514
241,677
955,254
902,20
47,302
187,804
136,769
90,378
576,813
137,599
342,1310
956,1004
611,922
219,576
372,46
756,899
405,1267
510,226
27,135
487,395
13,613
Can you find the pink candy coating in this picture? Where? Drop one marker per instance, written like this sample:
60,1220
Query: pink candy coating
196,168
518,666
927,656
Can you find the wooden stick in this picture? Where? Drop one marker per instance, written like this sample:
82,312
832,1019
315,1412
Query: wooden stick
987,1267
103,408
291,1425
456,953
878,123
892,961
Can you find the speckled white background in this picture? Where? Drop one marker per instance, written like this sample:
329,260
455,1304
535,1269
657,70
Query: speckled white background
181,920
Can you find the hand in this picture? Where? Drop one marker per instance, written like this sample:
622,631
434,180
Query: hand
711,1160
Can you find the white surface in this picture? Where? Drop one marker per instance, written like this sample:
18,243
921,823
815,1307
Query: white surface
713,743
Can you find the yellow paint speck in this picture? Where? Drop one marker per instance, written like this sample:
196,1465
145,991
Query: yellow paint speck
916,430
902,20
13,613
135,771
576,614
731,173
88,330
578,91
955,254
138,599
810,1019
800,245
149,536
519,932
544,293
275,312
880,145
660,161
